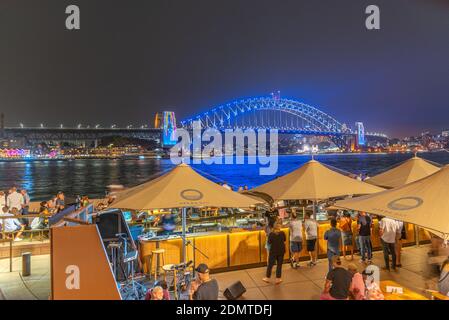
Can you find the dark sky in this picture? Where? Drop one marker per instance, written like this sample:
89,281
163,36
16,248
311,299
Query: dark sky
132,58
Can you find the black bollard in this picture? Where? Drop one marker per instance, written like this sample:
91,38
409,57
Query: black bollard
26,264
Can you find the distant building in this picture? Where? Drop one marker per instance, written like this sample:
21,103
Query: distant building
445,133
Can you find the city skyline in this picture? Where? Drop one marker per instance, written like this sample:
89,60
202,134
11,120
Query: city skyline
128,62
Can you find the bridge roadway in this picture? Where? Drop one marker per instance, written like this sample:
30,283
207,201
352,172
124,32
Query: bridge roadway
79,134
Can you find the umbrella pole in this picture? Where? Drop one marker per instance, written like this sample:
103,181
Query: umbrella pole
314,210
184,240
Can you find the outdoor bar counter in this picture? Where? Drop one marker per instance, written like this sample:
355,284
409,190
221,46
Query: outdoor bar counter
244,249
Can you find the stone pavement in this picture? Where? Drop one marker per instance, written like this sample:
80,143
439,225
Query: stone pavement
304,283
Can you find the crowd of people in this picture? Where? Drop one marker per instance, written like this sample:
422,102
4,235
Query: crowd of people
204,287
17,202
340,283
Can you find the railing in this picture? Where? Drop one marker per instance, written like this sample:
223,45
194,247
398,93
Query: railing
74,217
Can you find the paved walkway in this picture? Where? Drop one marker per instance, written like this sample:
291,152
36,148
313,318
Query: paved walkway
307,283
304,283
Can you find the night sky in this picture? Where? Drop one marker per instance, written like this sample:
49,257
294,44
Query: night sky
133,58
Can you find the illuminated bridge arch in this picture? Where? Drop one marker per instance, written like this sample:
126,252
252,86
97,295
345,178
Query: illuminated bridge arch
285,115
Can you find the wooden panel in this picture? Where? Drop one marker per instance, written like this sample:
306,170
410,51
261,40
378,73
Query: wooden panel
215,247
410,229
287,243
173,251
375,238
145,249
244,248
424,235
80,268
35,247
322,244
263,243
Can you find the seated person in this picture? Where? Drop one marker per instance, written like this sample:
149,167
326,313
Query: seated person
338,282
163,285
205,288
41,221
12,225
357,288
156,293
373,291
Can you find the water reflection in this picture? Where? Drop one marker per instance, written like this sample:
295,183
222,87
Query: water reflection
45,178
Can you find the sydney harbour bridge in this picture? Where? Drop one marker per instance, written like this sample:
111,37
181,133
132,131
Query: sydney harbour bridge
288,116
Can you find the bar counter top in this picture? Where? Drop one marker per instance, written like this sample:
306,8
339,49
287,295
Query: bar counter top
230,250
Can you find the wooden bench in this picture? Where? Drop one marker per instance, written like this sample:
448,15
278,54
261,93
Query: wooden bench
10,251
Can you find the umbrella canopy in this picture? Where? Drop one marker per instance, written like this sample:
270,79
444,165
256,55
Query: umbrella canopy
179,188
424,202
314,181
409,171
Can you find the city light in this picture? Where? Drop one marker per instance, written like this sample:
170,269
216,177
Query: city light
42,125
97,126
79,126
21,125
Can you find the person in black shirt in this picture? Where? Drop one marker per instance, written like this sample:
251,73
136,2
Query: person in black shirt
276,242
205,288
338,282
364,226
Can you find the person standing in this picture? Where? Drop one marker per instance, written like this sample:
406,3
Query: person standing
14,200
26,201
338,282
364,229
388,230
333,237
295,226
345,223
311,230
276,242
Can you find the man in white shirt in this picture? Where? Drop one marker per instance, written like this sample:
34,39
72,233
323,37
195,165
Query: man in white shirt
388,230
295,226
311,229
15,200
11,225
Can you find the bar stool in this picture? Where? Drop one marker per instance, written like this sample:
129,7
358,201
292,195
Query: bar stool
170,268
156,256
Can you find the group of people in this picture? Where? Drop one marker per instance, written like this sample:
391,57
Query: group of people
340,239
204,287
17,202
276,239
12,203
345,284
340,235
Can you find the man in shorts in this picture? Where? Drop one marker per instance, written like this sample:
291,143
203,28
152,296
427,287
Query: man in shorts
295,226
311,230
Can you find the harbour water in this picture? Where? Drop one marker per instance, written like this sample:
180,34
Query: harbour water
90,177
